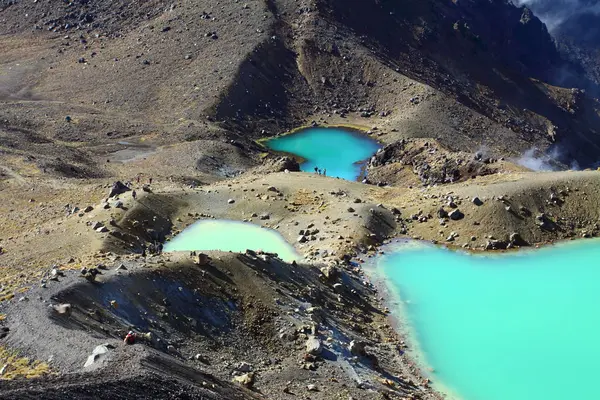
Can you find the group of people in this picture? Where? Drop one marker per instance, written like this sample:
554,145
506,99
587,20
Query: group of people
138,179
318,171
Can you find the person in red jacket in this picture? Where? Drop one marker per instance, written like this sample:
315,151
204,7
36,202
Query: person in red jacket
130,338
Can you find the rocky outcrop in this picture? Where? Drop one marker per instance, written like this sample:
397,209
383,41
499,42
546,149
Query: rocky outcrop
118,188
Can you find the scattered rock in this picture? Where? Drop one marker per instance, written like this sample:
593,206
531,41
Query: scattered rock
63,309
201,358
493,244
244,367
98,355
230,201
314,346
246,380
517,240
201,259
350,209
330,272
357,348
456,214
477,201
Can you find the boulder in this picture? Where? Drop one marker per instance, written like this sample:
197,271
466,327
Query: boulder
456,214
246,380
330,272
201,358
496,245
517,240
357,348
314,346
98,355
201,259
117,188
477,201
63,309
244,367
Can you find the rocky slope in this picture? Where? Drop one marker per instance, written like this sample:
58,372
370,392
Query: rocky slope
575,28
99,78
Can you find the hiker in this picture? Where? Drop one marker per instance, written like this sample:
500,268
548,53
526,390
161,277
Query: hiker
133,194
324,171
150,180
319,172
316,170
138,178
130,338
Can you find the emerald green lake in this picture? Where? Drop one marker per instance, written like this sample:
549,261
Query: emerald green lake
520,325
341,152
207,235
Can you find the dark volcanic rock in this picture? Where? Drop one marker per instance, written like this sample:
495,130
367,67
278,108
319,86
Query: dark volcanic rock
118,188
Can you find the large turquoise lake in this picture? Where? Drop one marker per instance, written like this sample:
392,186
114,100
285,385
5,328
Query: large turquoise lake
223,235
518,326
341,152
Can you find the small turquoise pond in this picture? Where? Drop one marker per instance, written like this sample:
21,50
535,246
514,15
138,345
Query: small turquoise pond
519,326
341,152
233,236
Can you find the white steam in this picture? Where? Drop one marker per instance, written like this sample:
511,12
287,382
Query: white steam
536,160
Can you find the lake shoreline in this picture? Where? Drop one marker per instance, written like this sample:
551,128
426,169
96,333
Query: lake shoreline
399,316
313,154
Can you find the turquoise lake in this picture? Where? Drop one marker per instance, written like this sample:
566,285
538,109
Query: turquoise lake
207,235
341,152
520,325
